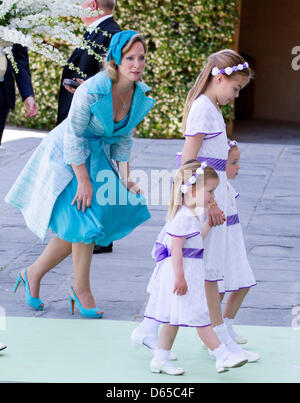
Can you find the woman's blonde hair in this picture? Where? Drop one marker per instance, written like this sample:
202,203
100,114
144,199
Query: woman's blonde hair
181,177
111,67
222,59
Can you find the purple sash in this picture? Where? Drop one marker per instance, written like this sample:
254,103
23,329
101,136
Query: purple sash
217,164
232,219
162,252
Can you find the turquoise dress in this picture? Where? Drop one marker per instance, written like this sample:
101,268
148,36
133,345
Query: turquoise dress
107,219
46,186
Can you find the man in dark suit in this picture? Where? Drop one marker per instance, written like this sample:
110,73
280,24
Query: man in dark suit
80,57
87,63
7,87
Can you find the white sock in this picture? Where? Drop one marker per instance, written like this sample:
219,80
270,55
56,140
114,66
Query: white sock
220,351
229,323
222,333
224,336
161,354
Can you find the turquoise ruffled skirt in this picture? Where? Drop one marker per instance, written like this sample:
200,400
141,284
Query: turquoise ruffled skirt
113,214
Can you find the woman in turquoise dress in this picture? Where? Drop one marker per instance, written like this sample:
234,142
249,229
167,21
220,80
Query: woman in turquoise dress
77,181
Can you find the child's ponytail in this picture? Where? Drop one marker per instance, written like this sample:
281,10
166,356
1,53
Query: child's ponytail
198,88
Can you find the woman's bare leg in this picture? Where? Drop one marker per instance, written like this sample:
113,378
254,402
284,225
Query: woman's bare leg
54,253
82,257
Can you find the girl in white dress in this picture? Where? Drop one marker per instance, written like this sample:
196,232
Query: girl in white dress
177,284
220,81
238,275
224,74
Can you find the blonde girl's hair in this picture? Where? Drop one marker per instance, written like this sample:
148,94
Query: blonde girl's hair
111,67
181,177
222,59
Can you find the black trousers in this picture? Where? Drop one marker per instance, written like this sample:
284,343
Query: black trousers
4,109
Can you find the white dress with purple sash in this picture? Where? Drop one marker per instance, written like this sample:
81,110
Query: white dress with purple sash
164,306
237,271
204,118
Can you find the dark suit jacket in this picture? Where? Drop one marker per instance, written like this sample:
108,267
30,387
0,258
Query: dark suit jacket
86,63
23,79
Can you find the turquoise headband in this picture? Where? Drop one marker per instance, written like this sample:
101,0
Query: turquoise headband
118,41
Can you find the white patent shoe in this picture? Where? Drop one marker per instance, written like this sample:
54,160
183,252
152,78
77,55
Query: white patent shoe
137,341
166,367
250,356
2,346
240,339
233,334
230,360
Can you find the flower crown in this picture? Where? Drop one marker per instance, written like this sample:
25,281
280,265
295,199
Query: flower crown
232,144
192,180
229,70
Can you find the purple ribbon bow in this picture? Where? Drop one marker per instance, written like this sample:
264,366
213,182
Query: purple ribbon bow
162,252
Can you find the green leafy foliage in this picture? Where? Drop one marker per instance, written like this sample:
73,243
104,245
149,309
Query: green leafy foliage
180,35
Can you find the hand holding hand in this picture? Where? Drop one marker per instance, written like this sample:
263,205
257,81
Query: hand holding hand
223,216
215,215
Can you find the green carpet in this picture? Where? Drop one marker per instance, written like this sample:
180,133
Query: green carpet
58,350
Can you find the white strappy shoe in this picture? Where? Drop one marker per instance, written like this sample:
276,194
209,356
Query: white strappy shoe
249,356
236,337
239,339
166,367
230,360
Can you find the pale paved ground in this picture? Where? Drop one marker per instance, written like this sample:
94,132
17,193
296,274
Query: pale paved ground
269,212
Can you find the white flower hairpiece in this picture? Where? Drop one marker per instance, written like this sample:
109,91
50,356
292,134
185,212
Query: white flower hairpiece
192,180
229,70
232,144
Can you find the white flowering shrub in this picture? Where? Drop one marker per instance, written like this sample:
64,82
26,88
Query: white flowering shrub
50,29
30,22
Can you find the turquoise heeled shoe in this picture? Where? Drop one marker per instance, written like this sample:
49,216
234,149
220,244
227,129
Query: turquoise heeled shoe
87,313
35,303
